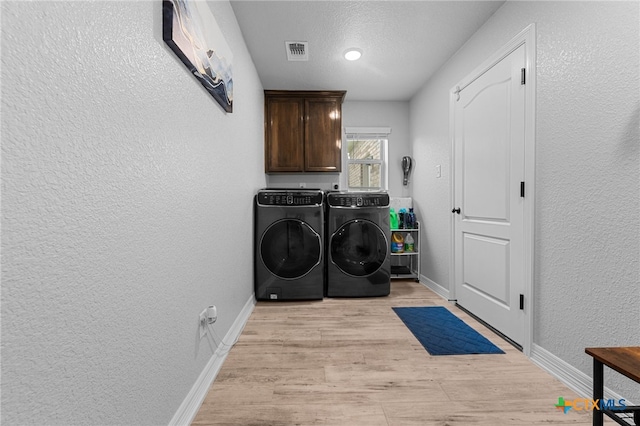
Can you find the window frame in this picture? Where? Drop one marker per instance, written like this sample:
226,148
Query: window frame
381,134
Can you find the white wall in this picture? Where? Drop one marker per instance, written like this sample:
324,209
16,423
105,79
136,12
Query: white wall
364,114
126,209
587,226
385,114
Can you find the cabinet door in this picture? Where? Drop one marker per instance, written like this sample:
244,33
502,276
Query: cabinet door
284,135
323,136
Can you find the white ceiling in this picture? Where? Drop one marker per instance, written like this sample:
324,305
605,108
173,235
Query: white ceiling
403,42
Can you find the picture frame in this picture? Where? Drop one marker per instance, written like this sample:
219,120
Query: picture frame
191,31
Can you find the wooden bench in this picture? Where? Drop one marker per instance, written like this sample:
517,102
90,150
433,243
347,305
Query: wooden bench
624,360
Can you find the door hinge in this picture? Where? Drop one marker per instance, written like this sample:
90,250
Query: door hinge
522,302
523,78
522,189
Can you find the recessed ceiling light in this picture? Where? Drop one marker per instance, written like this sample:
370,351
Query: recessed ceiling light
352,54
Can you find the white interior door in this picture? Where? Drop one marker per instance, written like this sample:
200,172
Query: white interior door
489,161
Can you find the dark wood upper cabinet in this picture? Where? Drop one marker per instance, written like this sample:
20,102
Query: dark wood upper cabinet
303,131
284,137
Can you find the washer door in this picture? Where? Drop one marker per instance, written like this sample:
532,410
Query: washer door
290,248
359,248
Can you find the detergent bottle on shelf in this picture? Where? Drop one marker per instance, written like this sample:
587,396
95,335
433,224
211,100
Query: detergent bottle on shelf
397,243
393,219
402,218
411,222
409,243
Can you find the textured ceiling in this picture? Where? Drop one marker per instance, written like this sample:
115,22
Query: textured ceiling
403,42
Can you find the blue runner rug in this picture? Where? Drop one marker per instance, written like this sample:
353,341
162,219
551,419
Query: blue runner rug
442,333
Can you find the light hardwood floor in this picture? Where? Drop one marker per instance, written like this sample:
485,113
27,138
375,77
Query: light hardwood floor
353,362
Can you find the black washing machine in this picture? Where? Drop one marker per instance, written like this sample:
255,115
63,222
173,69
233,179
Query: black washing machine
358,251
289,244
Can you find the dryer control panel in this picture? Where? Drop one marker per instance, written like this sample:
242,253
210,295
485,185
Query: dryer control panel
358,199
290,198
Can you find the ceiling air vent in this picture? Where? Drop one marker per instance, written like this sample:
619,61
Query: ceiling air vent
297,50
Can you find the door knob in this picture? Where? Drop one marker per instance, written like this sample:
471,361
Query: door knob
456,210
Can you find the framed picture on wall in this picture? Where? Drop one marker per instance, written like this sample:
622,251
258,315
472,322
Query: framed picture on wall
192,33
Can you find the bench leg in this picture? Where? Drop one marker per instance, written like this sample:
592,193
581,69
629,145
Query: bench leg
598,390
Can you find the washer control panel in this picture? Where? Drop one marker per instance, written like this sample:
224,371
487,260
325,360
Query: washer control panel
290,198
358,199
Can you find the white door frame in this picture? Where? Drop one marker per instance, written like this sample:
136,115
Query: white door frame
526,37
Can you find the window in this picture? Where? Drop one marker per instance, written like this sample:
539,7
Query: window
367,158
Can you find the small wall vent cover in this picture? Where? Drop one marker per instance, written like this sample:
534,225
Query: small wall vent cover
297,50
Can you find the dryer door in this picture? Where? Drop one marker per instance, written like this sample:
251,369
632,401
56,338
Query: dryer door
290,248
359,248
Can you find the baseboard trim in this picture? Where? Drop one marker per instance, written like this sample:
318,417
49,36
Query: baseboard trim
575,379
435,287
191,404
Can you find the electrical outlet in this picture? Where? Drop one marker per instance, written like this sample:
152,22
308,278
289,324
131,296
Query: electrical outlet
335,185
302,185
212,314
203,323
